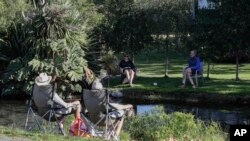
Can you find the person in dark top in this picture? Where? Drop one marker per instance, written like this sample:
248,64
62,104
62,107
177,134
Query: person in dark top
191,68
127,68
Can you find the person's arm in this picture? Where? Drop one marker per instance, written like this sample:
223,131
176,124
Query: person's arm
132,65
197,64
57,99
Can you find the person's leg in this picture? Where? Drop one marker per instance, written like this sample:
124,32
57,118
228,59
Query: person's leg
130,112
126,80
132,74
119,126
189,74
60,124
184,76
77,108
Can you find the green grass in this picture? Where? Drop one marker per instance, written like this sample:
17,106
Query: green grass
18,133
151,69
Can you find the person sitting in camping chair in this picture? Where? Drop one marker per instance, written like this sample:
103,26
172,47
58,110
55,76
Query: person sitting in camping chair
127,69
44,98
96,101
193,66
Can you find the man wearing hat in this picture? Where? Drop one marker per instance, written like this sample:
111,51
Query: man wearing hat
42,95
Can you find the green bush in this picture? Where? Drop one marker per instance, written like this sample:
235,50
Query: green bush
52,38
156,125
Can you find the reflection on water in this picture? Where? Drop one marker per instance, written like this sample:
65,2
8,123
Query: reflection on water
226,116
14,112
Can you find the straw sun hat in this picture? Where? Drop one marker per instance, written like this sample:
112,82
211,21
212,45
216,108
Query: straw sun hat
43,79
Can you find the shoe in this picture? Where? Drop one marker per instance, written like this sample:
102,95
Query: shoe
193,86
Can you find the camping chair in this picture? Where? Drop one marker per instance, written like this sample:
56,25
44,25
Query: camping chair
49,115
198,74
101,114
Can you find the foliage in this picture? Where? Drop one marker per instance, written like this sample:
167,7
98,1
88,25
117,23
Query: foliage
110,63
11,11
157,125
125,27
50,39
221,28
220,34
161,126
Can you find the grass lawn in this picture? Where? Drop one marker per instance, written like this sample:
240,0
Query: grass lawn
151,68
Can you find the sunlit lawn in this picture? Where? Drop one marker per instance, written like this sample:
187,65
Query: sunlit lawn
151,68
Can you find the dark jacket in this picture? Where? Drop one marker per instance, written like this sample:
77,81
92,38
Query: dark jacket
127,65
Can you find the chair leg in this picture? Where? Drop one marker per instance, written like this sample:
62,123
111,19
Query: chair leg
196,80
61,130
37,122
27,119
30,111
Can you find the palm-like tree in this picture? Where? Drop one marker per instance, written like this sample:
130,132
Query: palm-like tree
52,38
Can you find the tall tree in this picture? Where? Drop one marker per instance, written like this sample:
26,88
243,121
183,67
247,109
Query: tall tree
168,20
127,26
235,28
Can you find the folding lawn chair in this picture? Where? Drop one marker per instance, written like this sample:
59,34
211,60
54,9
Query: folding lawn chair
198,74
49,114
102,117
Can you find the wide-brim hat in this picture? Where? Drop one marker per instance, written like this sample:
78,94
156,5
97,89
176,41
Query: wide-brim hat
43,79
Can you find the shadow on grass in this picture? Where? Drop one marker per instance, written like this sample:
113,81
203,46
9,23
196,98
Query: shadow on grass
151,69
171,85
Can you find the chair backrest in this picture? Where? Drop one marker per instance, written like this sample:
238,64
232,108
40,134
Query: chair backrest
94,100
42,97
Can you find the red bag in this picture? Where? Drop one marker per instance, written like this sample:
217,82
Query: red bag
79,128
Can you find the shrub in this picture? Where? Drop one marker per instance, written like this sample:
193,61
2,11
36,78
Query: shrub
52,39
157,125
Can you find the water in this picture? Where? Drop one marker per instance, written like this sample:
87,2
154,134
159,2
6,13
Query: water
224,115
13,113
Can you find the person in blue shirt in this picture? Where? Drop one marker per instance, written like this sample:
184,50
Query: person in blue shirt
191,68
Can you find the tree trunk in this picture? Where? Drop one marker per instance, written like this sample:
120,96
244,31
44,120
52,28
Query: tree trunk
237,68
166,61
133,57
166,67
147,54
208,69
